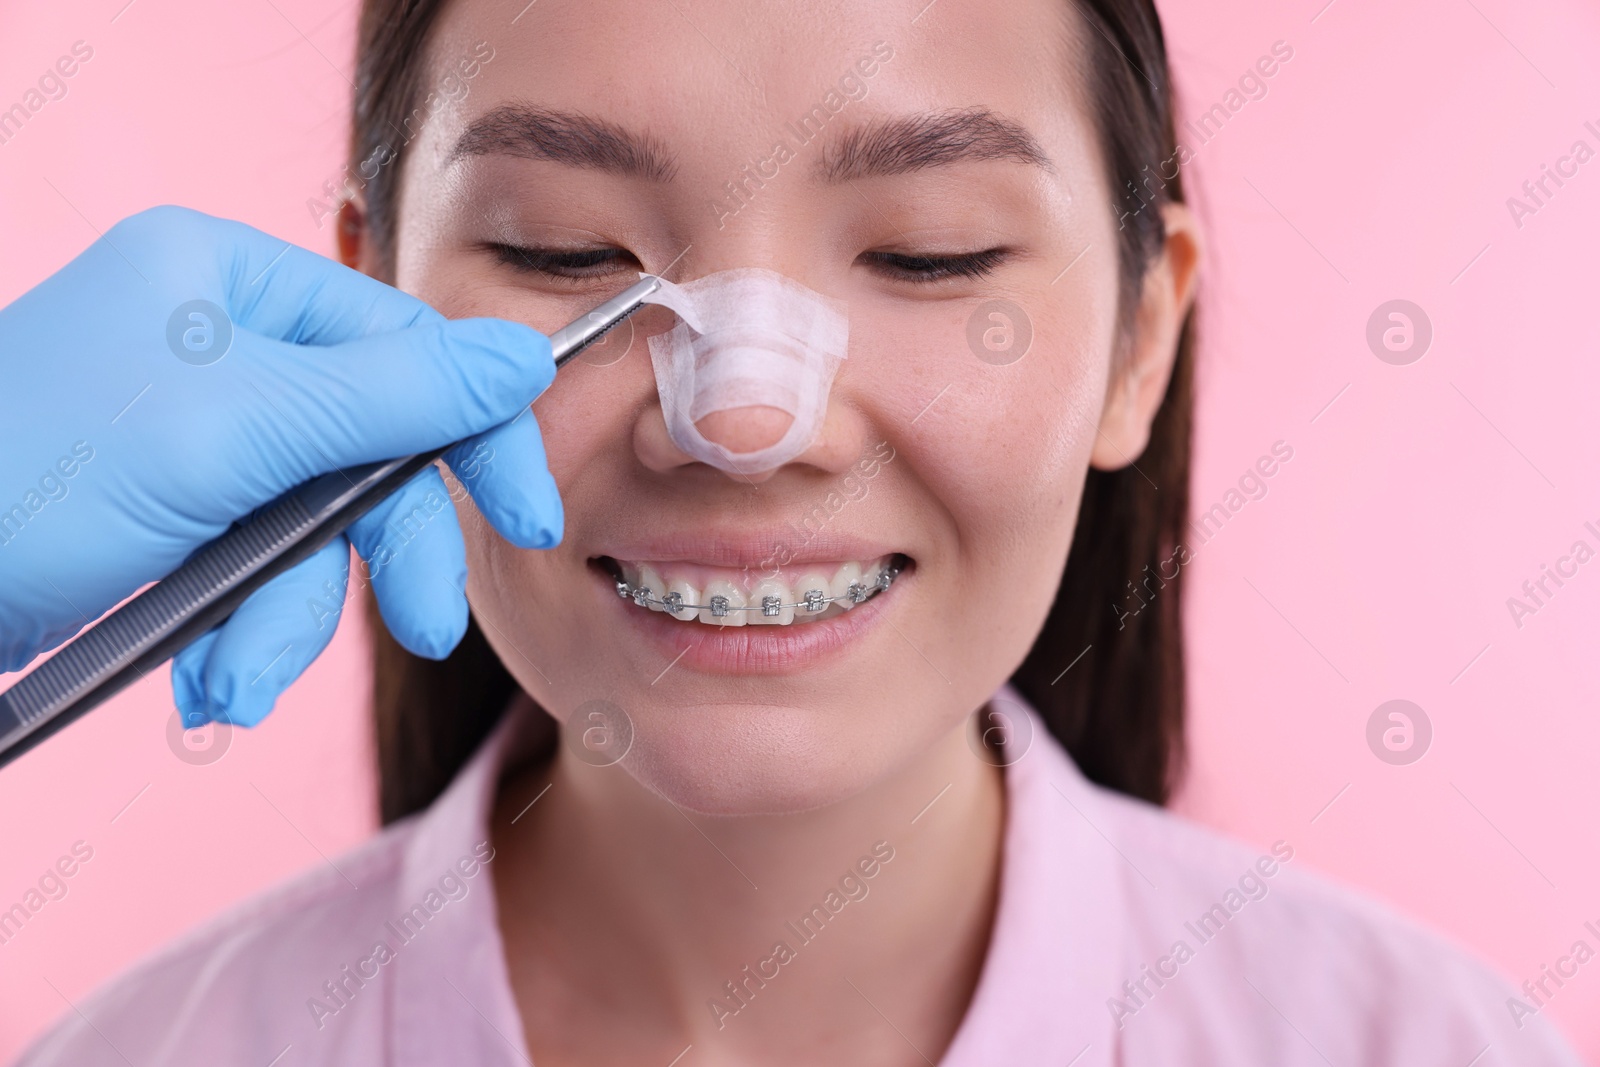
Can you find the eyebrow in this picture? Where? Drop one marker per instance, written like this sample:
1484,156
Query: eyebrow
567,137
935,139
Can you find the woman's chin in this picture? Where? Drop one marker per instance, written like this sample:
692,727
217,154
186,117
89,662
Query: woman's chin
753,759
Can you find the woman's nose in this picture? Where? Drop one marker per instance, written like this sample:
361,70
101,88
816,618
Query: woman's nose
744,380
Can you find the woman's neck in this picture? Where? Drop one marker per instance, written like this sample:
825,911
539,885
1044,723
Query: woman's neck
852,933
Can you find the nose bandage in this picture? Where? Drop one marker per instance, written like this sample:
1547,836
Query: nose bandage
747,338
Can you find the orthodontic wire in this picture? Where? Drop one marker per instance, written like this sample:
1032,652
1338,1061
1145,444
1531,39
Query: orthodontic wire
769,606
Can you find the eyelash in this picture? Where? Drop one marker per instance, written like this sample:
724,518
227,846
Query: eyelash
926,268
579,264
576,264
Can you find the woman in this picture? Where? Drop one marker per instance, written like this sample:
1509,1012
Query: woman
843,839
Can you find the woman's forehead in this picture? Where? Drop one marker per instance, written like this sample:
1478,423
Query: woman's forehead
722,75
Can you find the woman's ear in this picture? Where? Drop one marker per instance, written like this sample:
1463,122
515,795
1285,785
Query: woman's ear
351,227
1139,376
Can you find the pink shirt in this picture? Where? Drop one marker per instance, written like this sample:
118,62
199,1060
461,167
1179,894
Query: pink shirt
1124,935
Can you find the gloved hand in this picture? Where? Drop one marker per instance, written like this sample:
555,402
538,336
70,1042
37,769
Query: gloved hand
136,425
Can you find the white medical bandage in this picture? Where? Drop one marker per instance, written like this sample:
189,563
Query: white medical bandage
748,338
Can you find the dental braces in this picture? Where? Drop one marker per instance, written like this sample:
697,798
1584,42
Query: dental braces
812,601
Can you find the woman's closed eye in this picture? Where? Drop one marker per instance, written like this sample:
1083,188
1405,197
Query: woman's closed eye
576,264
931,267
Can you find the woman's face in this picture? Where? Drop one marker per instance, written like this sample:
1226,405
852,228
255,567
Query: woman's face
638,135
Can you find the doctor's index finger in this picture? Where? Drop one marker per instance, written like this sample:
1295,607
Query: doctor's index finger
270,286
404,392
280,290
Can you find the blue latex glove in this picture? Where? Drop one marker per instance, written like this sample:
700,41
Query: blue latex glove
132,432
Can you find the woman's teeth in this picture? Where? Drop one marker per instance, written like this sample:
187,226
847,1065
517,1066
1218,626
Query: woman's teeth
691,593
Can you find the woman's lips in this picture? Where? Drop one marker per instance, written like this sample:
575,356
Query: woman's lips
752,649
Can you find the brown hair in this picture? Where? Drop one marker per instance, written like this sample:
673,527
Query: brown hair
1109,683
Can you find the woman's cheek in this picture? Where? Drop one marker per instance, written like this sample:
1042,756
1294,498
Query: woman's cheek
1002,437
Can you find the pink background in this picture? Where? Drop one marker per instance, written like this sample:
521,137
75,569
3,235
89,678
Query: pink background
1376,568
